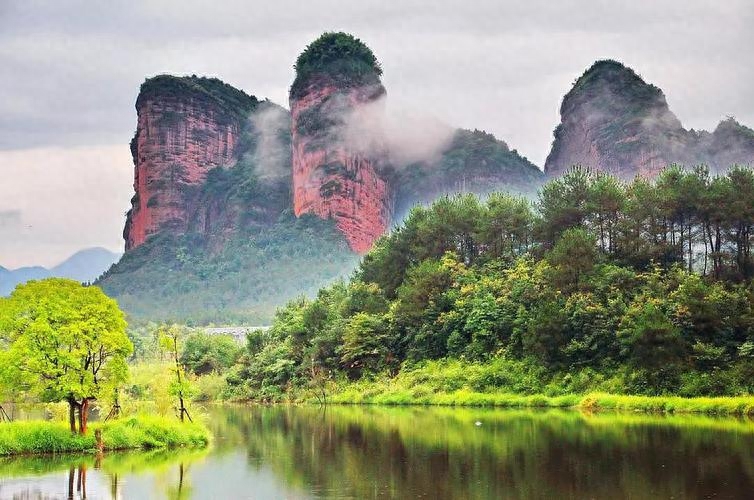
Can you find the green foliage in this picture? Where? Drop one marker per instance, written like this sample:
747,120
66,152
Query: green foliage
187,279
473,162
204,353
66,342
593,288
339,56
364,347
145,433
230,99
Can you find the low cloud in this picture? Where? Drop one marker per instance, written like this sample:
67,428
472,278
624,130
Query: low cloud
271,125
406,134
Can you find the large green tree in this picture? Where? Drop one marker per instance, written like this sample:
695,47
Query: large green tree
66,342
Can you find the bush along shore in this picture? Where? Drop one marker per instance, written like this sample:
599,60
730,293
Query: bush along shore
133,433
506,383
738,406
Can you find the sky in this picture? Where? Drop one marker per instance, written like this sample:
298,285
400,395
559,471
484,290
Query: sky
71,70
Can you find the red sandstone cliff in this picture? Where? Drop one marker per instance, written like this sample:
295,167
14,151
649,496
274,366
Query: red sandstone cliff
184,130
331,178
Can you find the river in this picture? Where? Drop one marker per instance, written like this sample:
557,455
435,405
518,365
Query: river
435,453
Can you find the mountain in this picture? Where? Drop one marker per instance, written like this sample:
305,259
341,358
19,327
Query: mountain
336,76
84,266
241,205
613,120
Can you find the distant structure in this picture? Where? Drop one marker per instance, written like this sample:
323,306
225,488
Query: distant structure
237,332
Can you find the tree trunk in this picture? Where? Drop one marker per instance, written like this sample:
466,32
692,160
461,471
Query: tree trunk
72,414
83,415
71,476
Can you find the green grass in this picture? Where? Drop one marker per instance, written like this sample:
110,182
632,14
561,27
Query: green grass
514,384
359,394
145,433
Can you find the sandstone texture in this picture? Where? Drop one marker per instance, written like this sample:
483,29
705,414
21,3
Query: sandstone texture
185,128
333,178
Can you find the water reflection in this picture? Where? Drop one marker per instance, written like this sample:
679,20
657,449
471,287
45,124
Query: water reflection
440,453
371,452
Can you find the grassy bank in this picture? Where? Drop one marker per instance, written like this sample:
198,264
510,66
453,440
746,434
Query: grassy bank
503,383
145,433
595,401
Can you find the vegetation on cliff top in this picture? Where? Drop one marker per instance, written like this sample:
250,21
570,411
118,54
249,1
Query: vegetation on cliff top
233,100
642,288
340,57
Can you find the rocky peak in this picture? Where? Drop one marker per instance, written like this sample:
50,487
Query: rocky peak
186,127
612,120
334,178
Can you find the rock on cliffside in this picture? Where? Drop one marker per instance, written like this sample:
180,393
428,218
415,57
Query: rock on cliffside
186,127
614,121
332,178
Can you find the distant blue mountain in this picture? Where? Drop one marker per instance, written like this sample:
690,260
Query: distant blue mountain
85,266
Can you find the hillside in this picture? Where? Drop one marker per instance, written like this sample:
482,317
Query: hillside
614,121
572,295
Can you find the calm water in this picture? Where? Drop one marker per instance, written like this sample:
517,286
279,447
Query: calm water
368,452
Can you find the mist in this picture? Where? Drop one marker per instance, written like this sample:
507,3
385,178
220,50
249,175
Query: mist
272,155
407,134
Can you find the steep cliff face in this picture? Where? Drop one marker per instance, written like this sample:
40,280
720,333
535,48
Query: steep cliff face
332,178
186,127
614,121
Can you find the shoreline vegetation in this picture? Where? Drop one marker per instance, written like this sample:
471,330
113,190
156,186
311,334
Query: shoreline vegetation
131,433
740,406
597,288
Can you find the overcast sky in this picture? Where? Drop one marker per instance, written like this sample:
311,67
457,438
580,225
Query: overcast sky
70,72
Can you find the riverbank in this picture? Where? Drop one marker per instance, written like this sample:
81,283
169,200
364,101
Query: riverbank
513,384
738,406
136,433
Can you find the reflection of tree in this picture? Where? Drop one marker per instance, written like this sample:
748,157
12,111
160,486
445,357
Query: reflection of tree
115,466
182,488
79,474
361,452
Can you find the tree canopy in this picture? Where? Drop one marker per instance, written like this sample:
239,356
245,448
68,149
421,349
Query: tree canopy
641,288
65,342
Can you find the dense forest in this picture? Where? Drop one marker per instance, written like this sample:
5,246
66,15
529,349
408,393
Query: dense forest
598,285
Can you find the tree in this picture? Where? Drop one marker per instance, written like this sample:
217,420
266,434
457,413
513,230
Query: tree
563,204
574,255
180,387
67,342
204,353
651,342
365,345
